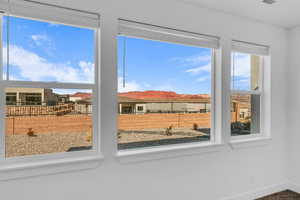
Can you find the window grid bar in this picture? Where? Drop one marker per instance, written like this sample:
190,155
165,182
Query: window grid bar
55,85
245,92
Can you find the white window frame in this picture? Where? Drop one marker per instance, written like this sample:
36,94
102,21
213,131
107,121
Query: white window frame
170,35
58,161
263,52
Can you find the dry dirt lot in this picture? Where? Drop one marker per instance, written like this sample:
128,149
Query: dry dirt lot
22,144
157,137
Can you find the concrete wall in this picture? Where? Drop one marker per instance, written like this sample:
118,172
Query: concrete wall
160,120
208,176
82,123
48,124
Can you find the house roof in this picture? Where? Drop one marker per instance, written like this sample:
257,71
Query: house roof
161,97
153,96
82,95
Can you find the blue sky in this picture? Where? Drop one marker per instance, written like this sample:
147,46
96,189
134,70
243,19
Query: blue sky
41,51
240,71
154,65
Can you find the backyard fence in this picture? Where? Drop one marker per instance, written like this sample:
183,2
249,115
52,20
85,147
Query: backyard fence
37,110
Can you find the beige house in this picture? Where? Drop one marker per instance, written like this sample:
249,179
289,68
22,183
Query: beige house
138,106
30,96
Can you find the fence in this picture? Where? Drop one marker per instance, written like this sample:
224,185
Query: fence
79,123
164,120
48,124
37,110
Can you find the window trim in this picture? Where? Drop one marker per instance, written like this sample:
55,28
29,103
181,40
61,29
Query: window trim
168,151
71,161
61,159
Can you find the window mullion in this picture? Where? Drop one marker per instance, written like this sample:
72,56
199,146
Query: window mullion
246,92
224,89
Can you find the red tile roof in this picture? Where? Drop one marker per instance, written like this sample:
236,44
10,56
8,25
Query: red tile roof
82,95
162,96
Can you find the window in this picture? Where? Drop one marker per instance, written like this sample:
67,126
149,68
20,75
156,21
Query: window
247,89
50,82
167,76
11,98
140,108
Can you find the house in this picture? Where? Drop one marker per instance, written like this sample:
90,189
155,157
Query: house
140,102
78,96
30,96
63,98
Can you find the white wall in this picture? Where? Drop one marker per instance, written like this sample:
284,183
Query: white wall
293,100
211,176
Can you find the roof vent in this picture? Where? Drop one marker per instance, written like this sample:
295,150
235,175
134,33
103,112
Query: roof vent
269,1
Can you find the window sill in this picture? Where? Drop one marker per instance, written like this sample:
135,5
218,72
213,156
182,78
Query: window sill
168,151
22,169
249,142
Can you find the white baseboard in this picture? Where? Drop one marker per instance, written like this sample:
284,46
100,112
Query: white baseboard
251,195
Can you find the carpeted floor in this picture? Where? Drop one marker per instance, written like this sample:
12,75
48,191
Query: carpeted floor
284,195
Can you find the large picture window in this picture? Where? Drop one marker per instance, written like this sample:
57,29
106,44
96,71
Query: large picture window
165,87
49,83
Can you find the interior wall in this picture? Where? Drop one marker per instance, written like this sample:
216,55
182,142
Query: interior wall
210,176
293,100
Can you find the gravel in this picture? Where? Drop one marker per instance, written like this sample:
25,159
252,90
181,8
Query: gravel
157,137
21,145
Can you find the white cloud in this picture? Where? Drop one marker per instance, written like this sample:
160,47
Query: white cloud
196,60
241,66
39,39
129,86
33,67
87,69
203,78
44,43
193,60
70,91
200,69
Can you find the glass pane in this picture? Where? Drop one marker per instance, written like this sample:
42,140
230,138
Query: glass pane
41,51
245,71
245,114
41,121
164,93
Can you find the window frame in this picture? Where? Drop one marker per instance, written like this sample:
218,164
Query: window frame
83,159
139,30
261,90
58,159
